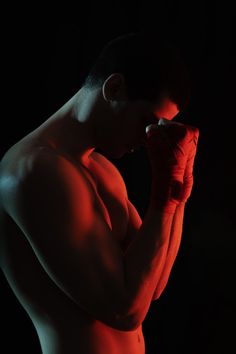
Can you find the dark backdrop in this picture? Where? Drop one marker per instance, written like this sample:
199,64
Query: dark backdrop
45,65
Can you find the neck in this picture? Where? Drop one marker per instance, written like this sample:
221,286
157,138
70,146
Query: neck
73,127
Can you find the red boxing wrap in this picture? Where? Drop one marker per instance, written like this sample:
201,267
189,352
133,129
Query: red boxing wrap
171,149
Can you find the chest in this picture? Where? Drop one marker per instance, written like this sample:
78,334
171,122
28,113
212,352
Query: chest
110,200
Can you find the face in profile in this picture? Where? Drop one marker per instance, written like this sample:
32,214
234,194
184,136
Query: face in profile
129,121
125,120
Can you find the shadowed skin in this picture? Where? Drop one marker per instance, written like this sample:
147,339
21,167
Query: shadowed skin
67,223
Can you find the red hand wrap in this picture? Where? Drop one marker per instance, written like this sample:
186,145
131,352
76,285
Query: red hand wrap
169,146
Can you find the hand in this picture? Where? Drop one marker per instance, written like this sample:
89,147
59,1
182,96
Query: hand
169,146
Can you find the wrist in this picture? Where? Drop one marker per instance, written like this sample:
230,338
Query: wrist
168,208
165,197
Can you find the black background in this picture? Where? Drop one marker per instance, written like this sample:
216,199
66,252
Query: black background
45,65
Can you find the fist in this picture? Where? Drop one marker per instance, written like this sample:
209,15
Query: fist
168,147
171,148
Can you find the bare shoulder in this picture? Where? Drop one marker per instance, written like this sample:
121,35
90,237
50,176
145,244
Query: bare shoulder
38,171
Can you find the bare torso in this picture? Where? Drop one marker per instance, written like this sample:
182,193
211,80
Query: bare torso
62,326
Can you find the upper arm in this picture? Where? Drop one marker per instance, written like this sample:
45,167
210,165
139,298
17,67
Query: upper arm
53,206
134,224
134,220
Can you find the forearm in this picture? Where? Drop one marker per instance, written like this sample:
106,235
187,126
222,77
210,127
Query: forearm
145,258
173,248
149,259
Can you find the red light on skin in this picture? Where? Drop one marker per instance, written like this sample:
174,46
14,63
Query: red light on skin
167,109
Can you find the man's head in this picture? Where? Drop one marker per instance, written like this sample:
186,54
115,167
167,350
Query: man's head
140,78
151,67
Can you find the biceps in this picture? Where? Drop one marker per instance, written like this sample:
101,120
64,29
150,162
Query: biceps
134,224
135,220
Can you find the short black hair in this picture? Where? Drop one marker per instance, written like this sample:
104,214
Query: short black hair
150,64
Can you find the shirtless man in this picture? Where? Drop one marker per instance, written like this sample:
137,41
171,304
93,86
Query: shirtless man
74,249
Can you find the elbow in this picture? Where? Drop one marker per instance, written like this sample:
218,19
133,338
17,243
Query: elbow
127,323
124,317
131,318
121,324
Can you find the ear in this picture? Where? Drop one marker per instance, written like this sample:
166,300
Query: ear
113,88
